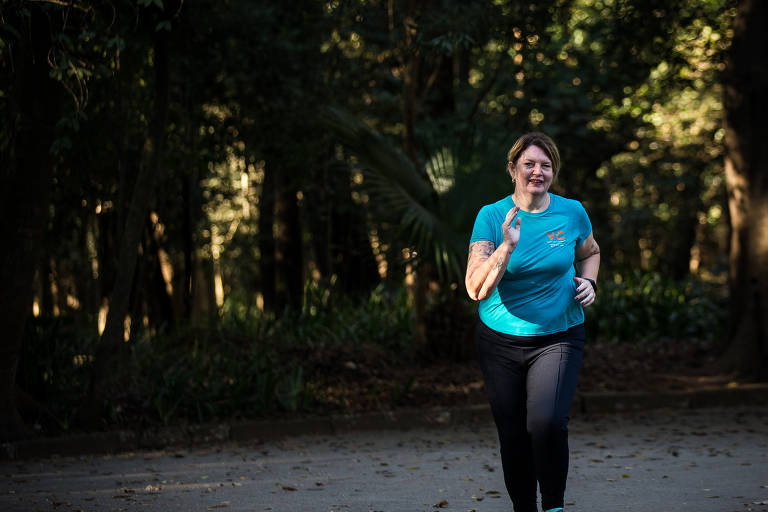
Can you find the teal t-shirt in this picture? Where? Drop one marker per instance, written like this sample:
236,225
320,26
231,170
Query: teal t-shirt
536,294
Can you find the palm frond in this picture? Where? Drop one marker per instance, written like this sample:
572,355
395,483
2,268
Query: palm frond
376,153
441,169
394,181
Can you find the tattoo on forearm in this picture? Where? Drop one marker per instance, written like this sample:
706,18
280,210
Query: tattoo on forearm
481,249
593,249
499,263
479,252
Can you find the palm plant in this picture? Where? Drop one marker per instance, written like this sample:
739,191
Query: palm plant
434,206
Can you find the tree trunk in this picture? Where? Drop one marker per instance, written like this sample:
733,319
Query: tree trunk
352,256
411,80
267,238
189,246
320,204
26,189
339,229
289,258
411,64
678,257
89,288
158,301
112,337
746,167
107,233
45,271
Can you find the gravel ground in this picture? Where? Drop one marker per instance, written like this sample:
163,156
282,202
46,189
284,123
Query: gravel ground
662,460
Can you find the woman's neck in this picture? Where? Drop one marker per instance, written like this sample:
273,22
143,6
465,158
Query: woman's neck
531,203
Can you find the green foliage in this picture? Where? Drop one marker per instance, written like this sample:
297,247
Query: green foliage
242,366
408,199
293,393
54,371
251,365
332,322
206,373
649,306
254,365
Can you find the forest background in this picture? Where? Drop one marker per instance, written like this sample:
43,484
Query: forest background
241,208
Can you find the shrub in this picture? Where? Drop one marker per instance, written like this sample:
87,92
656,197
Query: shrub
253,364
53,371
250,365
647,306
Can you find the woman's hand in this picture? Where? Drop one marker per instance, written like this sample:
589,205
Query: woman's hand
511,232
584,292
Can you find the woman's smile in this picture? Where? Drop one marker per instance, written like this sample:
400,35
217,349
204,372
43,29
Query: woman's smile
532,172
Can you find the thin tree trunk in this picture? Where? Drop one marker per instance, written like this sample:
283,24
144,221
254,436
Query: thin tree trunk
678,257
746,108
411,71
105,223
93,301
352,256
112,337
320,203
191,207
267,238
45,271
289,258
411,74
136,301
159,304
189,248
26,188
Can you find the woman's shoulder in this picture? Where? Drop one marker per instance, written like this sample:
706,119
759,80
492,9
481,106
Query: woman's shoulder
565,202
488,220
501,206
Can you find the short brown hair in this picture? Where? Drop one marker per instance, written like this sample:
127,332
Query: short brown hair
539,140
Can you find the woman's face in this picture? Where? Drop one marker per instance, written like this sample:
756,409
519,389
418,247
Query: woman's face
533,171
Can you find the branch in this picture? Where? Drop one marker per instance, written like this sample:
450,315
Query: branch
64,3
430,82
484,91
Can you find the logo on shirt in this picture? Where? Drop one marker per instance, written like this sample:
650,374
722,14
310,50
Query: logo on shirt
556,238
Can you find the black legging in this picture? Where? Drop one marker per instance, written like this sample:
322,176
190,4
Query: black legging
531,382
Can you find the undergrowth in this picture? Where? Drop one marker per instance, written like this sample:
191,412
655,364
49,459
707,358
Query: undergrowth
248,364
641,306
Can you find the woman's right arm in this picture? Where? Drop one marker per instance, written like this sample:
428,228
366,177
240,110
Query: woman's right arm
487,263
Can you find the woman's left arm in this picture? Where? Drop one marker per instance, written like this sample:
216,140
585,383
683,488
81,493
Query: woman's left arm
587,265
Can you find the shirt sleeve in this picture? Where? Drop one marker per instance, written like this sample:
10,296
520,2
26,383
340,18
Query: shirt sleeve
483,229
583,224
